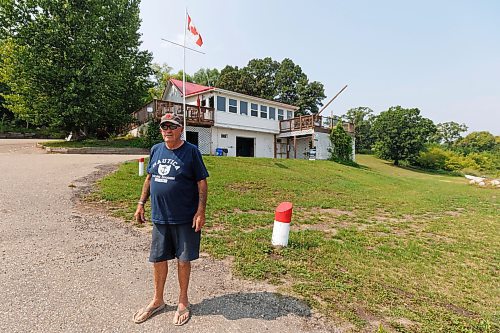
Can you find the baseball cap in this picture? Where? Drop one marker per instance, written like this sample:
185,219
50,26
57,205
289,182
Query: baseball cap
172,118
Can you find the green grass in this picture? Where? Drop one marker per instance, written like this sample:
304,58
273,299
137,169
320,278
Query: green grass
110,143
379,247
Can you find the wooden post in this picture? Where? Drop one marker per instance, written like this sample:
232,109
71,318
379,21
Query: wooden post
274,145
287,145
294,147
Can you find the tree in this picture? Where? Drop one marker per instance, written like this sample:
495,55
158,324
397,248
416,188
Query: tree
5,114
75,65
309,97
159,78
282,82
235,79
401,134
362,118
449,132
178,76
476,142
206,76
341,144
262,73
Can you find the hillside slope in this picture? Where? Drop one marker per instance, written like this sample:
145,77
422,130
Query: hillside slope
370,247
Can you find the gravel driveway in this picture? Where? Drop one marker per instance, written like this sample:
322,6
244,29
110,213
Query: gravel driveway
64,268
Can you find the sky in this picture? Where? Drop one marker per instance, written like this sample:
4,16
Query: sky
441,56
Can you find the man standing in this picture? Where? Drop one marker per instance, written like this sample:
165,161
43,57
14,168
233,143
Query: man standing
177,184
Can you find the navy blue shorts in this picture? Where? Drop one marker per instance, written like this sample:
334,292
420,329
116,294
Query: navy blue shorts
171,241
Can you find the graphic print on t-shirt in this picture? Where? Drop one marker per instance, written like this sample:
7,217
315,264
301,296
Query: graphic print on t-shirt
165,171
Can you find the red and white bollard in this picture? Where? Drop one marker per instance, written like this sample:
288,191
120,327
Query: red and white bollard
282,219
141,166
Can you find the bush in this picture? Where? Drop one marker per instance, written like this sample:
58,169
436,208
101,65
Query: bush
434,158
437,158
457,162
152,134
485,160
341,144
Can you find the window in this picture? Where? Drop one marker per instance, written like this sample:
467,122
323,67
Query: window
289,115
223,136
263,111
221,103
281,114
233,106
244,108
272,113
254,110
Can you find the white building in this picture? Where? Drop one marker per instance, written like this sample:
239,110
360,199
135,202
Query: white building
242,125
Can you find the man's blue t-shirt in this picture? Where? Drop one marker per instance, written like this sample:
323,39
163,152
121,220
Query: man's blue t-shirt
174,183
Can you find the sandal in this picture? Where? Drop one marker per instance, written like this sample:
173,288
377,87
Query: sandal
148,313
179,314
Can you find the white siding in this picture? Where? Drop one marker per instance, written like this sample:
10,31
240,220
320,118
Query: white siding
247,122
302,148
173,95
243,122
264,142
323,143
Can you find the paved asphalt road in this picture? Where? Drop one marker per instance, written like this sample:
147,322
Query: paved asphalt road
65,268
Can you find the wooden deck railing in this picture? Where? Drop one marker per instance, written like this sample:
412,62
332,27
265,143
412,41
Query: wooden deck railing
195,115
315,122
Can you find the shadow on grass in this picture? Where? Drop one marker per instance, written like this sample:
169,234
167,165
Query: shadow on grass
281,165
260,305
350,164
430,171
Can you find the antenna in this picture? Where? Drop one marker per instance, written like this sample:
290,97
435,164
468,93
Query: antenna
324,107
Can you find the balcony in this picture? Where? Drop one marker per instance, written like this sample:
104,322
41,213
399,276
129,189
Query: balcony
196,115
310,123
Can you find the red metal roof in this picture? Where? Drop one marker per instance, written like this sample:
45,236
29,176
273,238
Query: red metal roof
191,88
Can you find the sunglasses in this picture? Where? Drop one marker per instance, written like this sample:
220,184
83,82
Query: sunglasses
166,126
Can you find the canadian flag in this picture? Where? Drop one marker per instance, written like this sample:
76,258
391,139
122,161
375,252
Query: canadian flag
191,28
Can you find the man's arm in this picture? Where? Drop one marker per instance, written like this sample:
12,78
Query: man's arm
199,217
139,212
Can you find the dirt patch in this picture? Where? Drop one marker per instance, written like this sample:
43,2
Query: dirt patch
325,227
373,322
452,213
406,323
439,238
85,185
332,211
250,211
460,311
245,187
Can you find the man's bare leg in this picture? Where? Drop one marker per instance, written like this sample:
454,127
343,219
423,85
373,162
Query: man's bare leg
160,271
183,273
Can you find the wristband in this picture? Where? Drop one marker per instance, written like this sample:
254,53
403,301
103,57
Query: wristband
140,203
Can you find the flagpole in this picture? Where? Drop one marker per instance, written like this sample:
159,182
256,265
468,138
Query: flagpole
184,77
